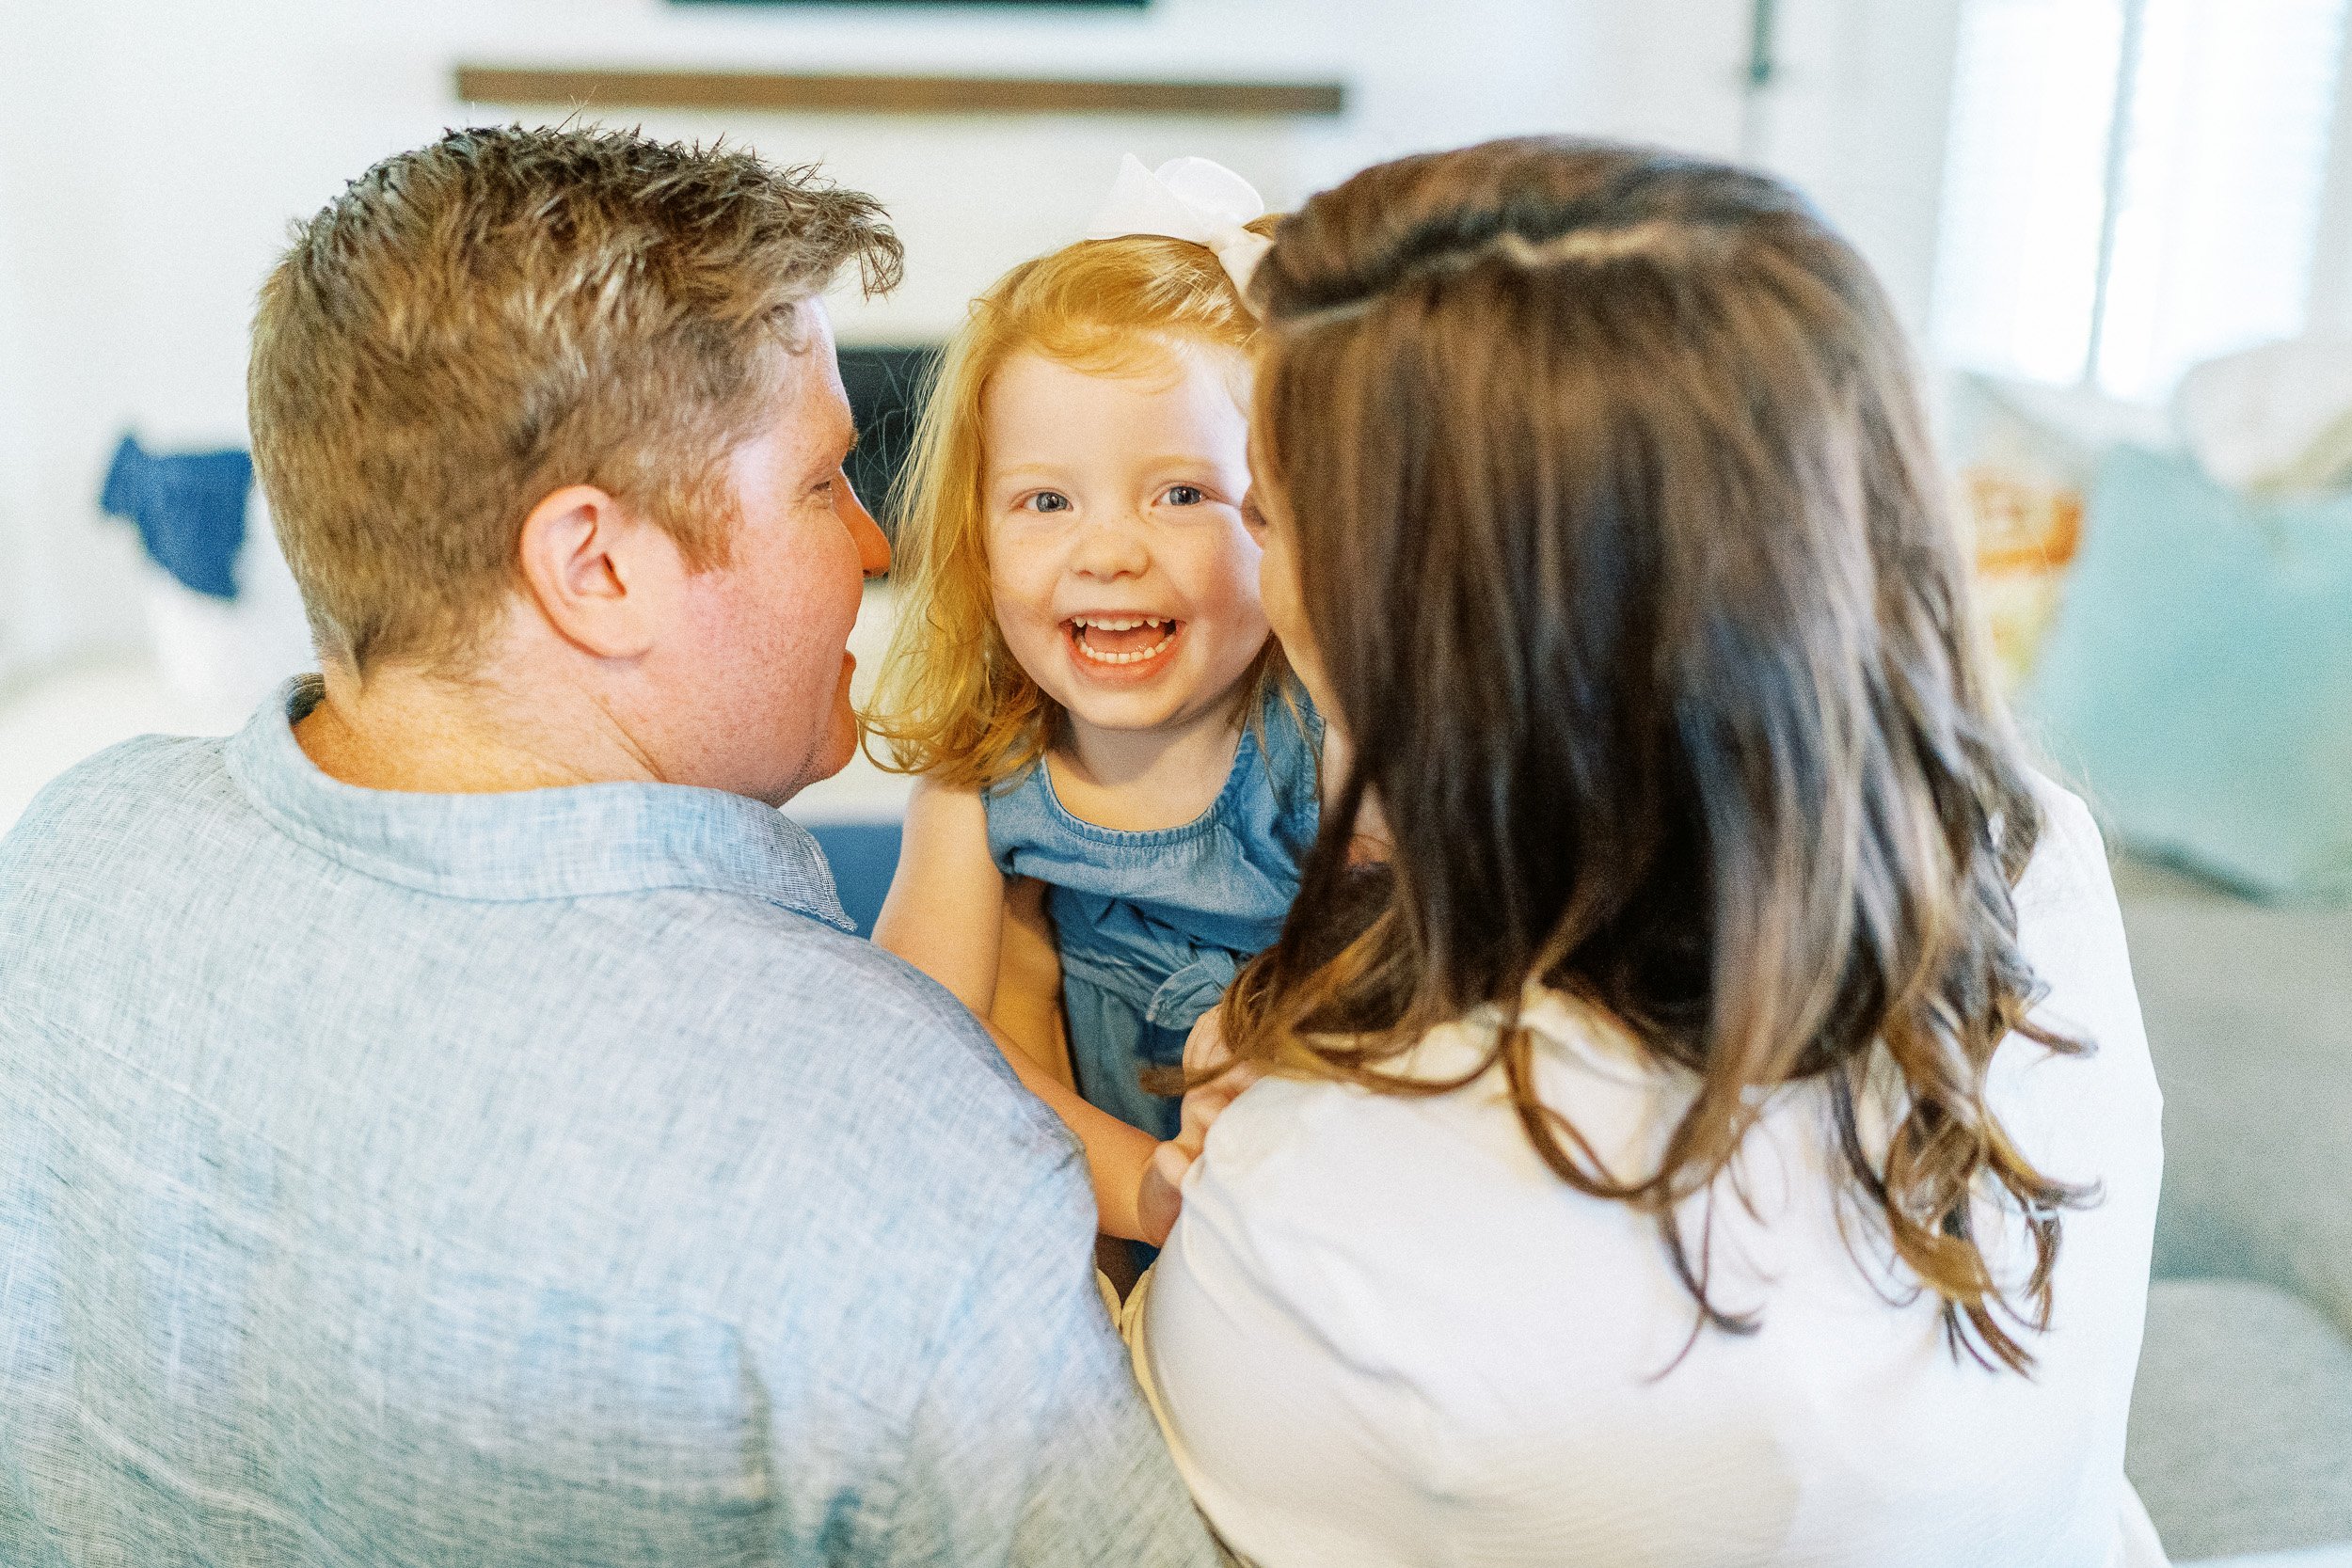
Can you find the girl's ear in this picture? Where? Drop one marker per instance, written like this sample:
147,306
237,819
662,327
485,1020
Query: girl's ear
605,578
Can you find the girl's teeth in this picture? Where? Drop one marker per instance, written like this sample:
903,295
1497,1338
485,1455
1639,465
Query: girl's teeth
1139,655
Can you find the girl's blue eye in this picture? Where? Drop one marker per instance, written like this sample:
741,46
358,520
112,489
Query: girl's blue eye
1185,495
1049,501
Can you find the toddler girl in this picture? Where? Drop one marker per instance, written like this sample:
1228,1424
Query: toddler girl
1082,673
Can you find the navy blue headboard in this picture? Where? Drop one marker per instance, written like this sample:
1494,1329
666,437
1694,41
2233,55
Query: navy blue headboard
865,855
886,387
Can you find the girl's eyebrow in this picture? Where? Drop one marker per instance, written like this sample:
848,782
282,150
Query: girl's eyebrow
1010,471
1178,459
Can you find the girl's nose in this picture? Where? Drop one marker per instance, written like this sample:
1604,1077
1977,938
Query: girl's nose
1111,549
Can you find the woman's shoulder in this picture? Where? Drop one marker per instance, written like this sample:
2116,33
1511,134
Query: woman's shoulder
2070,857
2070,926
2099,1108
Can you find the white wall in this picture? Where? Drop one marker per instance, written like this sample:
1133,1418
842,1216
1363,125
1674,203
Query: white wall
152,152
1857,116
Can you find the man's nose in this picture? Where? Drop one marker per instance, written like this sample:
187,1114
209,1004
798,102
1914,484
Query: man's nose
873,545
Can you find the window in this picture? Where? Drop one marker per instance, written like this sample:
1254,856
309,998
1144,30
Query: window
2133,185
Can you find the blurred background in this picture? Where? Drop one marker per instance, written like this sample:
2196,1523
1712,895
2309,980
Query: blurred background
2119,231
2074,204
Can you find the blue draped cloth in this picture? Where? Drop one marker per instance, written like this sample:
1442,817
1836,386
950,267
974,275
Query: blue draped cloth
189,508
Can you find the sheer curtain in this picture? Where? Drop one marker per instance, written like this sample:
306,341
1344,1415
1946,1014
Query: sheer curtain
2133,185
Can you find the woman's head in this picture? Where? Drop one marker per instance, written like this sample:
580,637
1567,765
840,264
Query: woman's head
1607,524
1071,539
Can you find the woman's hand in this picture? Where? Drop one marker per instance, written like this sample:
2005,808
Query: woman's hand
1161,1197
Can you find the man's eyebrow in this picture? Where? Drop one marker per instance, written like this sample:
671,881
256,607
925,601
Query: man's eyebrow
820,470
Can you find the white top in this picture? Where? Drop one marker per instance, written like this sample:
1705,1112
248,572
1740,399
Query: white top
1384,1332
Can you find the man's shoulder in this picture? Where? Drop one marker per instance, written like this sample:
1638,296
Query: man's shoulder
143,759
810,1093
771,957
160,763
777,1002
755,990
94,807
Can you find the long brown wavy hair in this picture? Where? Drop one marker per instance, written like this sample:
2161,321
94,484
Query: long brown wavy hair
1621,544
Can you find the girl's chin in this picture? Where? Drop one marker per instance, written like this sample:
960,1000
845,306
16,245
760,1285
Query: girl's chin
1129,701
1161,710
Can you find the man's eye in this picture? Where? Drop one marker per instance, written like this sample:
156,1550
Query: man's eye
1184,495
1048,500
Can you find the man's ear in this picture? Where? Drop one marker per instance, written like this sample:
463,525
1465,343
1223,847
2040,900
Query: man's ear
604,577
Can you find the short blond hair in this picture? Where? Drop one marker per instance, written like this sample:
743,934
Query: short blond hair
477,322
951,701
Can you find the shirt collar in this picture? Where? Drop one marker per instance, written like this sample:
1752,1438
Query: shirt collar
567,843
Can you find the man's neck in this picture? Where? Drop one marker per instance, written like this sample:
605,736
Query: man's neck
412,731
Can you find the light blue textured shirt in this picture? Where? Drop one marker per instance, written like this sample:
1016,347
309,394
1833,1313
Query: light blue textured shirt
519,1178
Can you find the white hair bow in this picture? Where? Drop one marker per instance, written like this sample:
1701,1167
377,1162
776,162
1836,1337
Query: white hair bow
1187,198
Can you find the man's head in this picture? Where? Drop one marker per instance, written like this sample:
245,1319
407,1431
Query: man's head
572,391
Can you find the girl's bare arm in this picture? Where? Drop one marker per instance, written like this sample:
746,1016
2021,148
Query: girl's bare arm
1028,1010
946,910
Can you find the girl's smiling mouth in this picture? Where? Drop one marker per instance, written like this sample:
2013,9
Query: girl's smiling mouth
1114,641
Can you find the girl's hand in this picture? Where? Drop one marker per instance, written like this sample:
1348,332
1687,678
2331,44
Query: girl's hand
1161,1197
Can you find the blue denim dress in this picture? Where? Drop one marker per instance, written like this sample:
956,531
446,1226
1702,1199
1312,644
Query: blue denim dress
1151,926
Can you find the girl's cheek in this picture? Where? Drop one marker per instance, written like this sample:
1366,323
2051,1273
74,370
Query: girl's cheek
1020,579
1016,602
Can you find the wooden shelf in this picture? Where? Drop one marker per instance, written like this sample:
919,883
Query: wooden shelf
771,92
